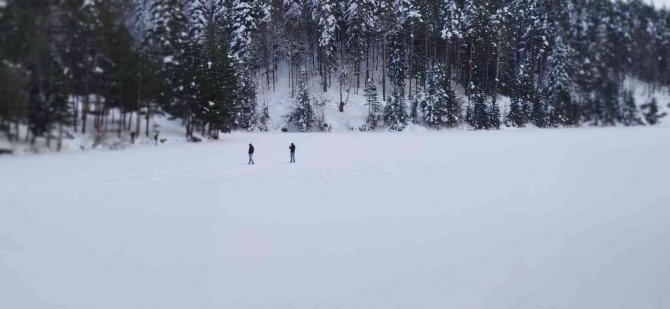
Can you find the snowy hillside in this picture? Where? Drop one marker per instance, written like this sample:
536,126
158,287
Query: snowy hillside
281,104
528,219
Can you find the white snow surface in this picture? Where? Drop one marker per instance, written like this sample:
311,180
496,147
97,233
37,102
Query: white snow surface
565,218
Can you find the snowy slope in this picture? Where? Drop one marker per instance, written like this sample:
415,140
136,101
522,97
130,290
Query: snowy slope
170,131
281,103
565,218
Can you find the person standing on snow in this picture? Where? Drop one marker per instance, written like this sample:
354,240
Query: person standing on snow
292,148
251,154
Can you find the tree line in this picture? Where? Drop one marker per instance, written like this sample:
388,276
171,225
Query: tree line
108,66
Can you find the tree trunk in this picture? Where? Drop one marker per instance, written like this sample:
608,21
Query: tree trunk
384,71
75,114
84,113
139,105
146,131
60,136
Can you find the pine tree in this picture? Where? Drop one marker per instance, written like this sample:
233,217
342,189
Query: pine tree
629,113
520,99
454,113
480,118
651,112
264,118
396,60
168,37
244,24
395,111
374,107
494,116
434,103
246,115
246,100
515,116
451,15
538,112
414,107
13,108
219,86
327,25
303,113
557,92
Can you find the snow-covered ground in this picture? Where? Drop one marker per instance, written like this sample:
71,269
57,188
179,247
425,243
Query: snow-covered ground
565,218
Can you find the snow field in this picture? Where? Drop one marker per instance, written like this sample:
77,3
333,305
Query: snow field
565,218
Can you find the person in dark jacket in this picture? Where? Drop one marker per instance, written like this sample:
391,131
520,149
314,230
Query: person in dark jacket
292,148
251,154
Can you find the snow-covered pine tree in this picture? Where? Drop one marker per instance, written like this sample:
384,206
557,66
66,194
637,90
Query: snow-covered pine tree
521,96
218,81
494,116
374,107
327,25
243,25
246,102
434,103
360,22
303,113
395,111
397,65
246,15
529,41
169,40
414,107
607,87
451,15
293,10
480,117
651,112
515,117
557,90
539,112
454,107
629,114
408,20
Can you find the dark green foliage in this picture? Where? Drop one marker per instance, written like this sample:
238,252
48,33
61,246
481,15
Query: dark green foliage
218,88
13,99
561,63
374,107
494,116
434,103
395,111
628,113
480,117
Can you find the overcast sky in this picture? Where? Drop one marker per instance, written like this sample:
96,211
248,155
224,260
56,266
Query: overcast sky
660,3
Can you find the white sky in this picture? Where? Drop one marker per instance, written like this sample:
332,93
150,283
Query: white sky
660,3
